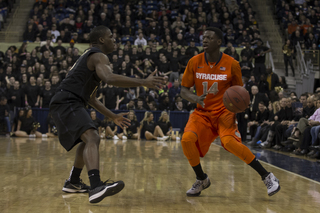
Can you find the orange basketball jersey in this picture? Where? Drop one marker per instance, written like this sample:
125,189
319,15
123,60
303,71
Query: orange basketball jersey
215,78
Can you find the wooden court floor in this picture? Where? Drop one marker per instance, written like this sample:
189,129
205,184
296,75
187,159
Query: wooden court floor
156,174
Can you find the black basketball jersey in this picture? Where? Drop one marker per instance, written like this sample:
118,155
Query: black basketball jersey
80,80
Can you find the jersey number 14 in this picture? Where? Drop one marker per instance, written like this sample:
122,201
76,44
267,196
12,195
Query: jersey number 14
213,89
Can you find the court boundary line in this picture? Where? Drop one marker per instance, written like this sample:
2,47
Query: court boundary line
314,181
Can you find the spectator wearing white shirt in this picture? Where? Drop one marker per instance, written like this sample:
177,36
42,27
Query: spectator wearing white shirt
55,32
140,40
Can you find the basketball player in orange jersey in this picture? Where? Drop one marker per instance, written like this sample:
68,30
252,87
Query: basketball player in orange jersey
213,72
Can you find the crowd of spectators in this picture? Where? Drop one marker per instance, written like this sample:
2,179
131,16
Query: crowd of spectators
142,22
301,21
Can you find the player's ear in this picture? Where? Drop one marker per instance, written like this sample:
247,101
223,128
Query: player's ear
101,40
219,42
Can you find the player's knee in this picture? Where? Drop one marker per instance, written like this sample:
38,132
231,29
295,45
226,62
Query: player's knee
91,136
228,142
188,138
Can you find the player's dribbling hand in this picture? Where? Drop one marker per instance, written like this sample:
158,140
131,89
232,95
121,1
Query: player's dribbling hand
201,98
121,121
155,82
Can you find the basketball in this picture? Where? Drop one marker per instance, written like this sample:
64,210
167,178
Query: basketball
236,99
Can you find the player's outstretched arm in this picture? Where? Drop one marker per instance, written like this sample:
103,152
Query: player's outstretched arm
100,63
193,98
118,119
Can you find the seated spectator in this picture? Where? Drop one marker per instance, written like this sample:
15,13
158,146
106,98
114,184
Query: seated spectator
132,131
96,121
140,40
27,126
110,129
52,130
179,106
261,116
150,130
165,125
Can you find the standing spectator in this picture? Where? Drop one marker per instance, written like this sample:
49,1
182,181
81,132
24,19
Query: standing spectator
174,67
140,40
174,91
15,96
46,95
55,32
110,96
288,50
4,114
260,58
272,79
247,51
29,34
246,67
32,93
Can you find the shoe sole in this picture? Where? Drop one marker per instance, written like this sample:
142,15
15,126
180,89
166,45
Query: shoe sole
274,192
67,190
196,195
108,191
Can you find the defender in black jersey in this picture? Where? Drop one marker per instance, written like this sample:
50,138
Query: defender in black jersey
74,124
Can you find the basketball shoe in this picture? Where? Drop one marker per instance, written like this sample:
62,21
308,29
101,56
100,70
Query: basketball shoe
104,190
198,186
272,184
75,187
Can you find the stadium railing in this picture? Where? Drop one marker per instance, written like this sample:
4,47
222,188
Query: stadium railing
269,58
305,73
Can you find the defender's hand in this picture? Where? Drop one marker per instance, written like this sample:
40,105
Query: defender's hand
154,82
121,121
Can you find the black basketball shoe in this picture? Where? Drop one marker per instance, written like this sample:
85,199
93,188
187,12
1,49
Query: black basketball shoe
75,187
104,190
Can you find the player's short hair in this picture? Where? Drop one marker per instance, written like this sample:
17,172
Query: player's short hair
217,32
97,33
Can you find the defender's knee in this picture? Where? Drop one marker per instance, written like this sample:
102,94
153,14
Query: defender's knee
91,136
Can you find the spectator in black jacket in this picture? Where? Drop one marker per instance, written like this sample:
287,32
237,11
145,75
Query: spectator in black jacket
29,34
4,113
256,98
260,58
261,116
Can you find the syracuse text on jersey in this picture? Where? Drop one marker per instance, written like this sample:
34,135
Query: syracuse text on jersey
207,76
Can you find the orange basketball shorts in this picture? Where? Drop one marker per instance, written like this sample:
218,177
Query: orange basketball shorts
208,125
